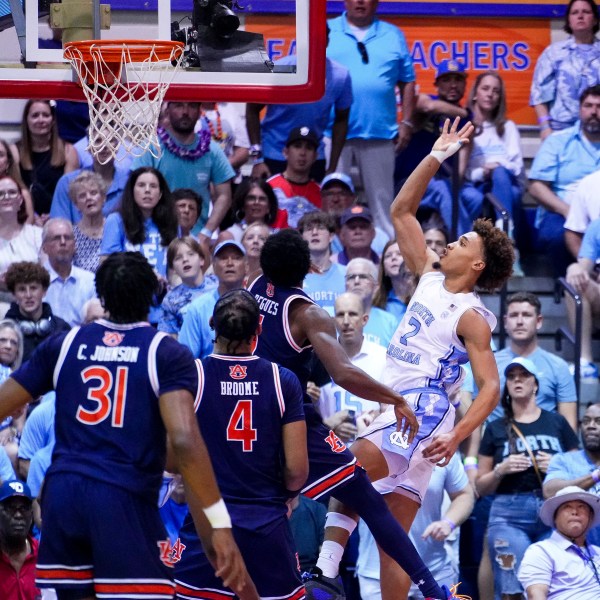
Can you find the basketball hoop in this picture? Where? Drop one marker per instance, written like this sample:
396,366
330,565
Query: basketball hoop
124,82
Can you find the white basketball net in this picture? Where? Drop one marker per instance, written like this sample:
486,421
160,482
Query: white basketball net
124,95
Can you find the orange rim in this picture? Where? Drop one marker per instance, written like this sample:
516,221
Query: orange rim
112,50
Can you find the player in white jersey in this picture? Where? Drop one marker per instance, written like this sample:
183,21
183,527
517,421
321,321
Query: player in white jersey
445,325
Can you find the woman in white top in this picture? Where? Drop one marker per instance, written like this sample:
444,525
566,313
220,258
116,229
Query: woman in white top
18,240
495,161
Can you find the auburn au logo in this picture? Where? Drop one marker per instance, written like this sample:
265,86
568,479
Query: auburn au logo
238,372
112,338
270,290
334,441
170,555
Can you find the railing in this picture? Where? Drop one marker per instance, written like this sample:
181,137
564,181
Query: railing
499,209
561,287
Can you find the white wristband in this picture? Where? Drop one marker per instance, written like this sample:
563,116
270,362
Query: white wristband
442,155
218,516
206,232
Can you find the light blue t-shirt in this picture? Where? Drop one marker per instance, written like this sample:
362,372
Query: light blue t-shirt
6,469
326,287
280,119
563,160
373,114
177,301
39,428
115,240
196,174
195,332
380,327
63,207
37,468
590,245
556,382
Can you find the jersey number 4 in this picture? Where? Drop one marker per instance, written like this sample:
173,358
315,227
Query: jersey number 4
109,394
239,428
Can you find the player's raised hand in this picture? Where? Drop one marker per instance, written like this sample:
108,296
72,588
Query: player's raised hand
229,564
451,139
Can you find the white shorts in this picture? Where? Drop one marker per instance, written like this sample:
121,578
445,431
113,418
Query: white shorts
409,471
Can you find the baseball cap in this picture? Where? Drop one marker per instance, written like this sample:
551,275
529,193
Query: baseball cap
450,66
227,243
356,212
521,361
303,133
338,178
567,494
13,487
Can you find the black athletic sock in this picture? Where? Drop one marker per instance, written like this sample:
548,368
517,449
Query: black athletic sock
360,495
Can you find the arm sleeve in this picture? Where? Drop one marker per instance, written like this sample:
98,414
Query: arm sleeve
487,447
61,203
113,238
545,164
514,154
6,469
406,69
292,396
591,242
221,169
168,317
543,84
569,439
536,567
175,367
456,478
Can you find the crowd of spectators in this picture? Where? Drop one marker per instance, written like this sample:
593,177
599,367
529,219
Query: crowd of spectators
330,169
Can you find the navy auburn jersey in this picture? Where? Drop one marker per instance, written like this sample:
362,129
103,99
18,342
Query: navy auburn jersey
276,343
242,404
108,378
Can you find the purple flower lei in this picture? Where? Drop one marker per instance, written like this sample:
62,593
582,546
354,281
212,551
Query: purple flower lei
198,151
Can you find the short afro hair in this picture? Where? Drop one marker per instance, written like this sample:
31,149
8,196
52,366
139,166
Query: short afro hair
26,272
499,255
285,258
236,317
126,285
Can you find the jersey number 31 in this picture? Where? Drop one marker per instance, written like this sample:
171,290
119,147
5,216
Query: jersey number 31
109,394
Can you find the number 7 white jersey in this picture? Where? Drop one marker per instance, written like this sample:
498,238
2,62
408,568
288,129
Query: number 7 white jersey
426,351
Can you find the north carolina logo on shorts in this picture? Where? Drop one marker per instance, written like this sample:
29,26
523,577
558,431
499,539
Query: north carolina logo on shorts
112,338
170,555
399,439
334,441
270,290
238,372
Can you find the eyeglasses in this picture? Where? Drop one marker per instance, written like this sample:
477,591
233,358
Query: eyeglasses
363,52
261,199
9,194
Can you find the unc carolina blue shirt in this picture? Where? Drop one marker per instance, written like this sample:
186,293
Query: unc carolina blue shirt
108,378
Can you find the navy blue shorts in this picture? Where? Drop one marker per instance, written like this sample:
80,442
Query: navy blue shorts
102,539
331,464
270,557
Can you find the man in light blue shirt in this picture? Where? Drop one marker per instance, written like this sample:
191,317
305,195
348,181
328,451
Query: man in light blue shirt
377,56
229,264
70,287
562,161
269,136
